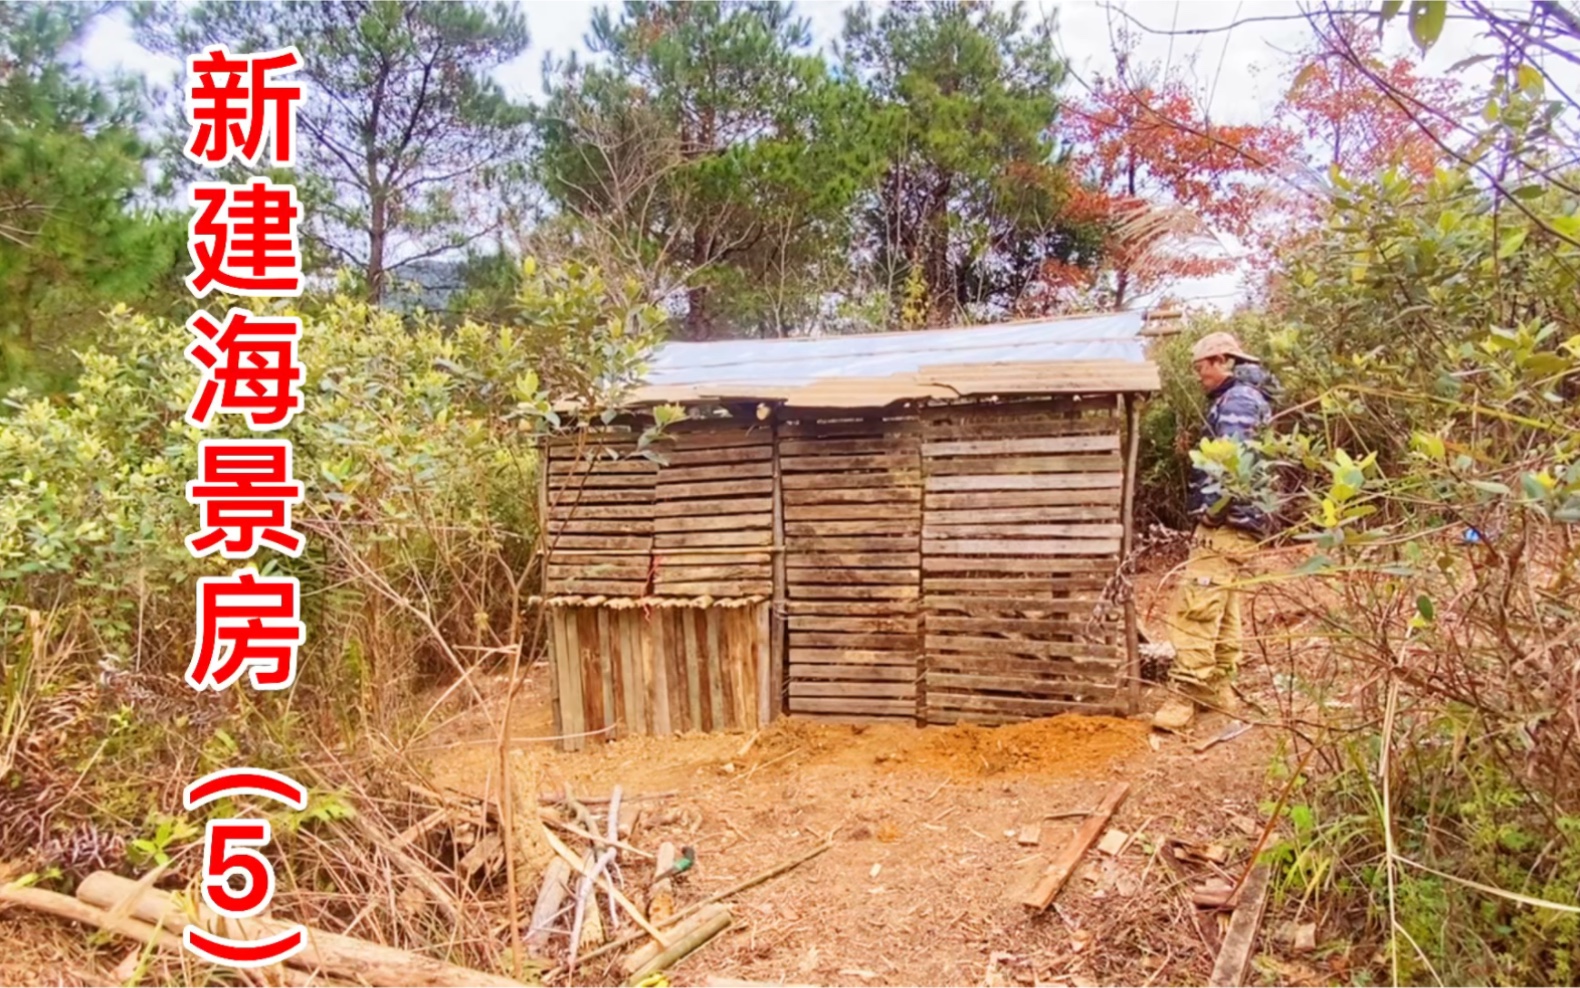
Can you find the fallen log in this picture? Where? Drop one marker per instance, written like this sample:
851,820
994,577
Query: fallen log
1063,866
335,955
684,946
1234,957
644,955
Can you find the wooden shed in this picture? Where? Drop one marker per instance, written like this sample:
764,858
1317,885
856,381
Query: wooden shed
904,526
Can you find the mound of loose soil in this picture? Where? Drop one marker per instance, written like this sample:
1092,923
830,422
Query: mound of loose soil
1065,745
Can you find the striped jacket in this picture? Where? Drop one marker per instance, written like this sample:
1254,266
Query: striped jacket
1238,409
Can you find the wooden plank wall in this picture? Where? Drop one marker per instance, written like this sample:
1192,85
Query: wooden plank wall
1022,530
661,670
713,511
852,527
600,516
695,520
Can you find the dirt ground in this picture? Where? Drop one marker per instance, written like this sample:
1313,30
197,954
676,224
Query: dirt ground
922,885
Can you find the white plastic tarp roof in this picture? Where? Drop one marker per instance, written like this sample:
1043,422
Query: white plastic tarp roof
1104,352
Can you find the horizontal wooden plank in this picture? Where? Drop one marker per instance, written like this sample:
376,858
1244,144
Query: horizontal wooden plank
829,639
595,463
1018,604
830,705
880,608
1017,482
573,500
600,526
1094,513
602,541
851,689
866,526
1021,547
848,543
729,454
567,512
963,683
1016,465
720,588
613,588
843,447
941,705
713,523
699,540
825,622
577,569
1014,409
707,435
587,481
1104,672
1046,585
1016,429
712,489
825,429
666,575
712,557
725,471
1045,564
1003,625
868,560
723,506
1021,447
1002,646
801,671
848,591
1055,667
856,495
1012,530
841,464
973,500
853,656
836,481
853,577
852,512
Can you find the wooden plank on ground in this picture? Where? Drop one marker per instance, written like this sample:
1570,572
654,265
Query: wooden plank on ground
1234,958
1063,866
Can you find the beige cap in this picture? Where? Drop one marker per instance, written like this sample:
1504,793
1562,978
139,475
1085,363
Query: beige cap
1219,345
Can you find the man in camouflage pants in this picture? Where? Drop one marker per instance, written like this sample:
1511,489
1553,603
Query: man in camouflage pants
1204,625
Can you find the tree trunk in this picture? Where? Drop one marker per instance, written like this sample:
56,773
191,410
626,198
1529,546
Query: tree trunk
378,235
942,302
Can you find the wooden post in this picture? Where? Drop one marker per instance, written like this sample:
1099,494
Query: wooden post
1127,544
921,571
771,704
551,640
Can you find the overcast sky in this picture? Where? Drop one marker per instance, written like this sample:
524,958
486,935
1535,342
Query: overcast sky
1237,71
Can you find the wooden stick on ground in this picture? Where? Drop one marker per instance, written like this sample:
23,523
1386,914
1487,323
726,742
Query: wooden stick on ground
1063,866
684,946
556,883
645,954
548,817
335,955
1235,956
733,890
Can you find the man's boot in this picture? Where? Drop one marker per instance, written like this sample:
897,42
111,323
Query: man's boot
1176,714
